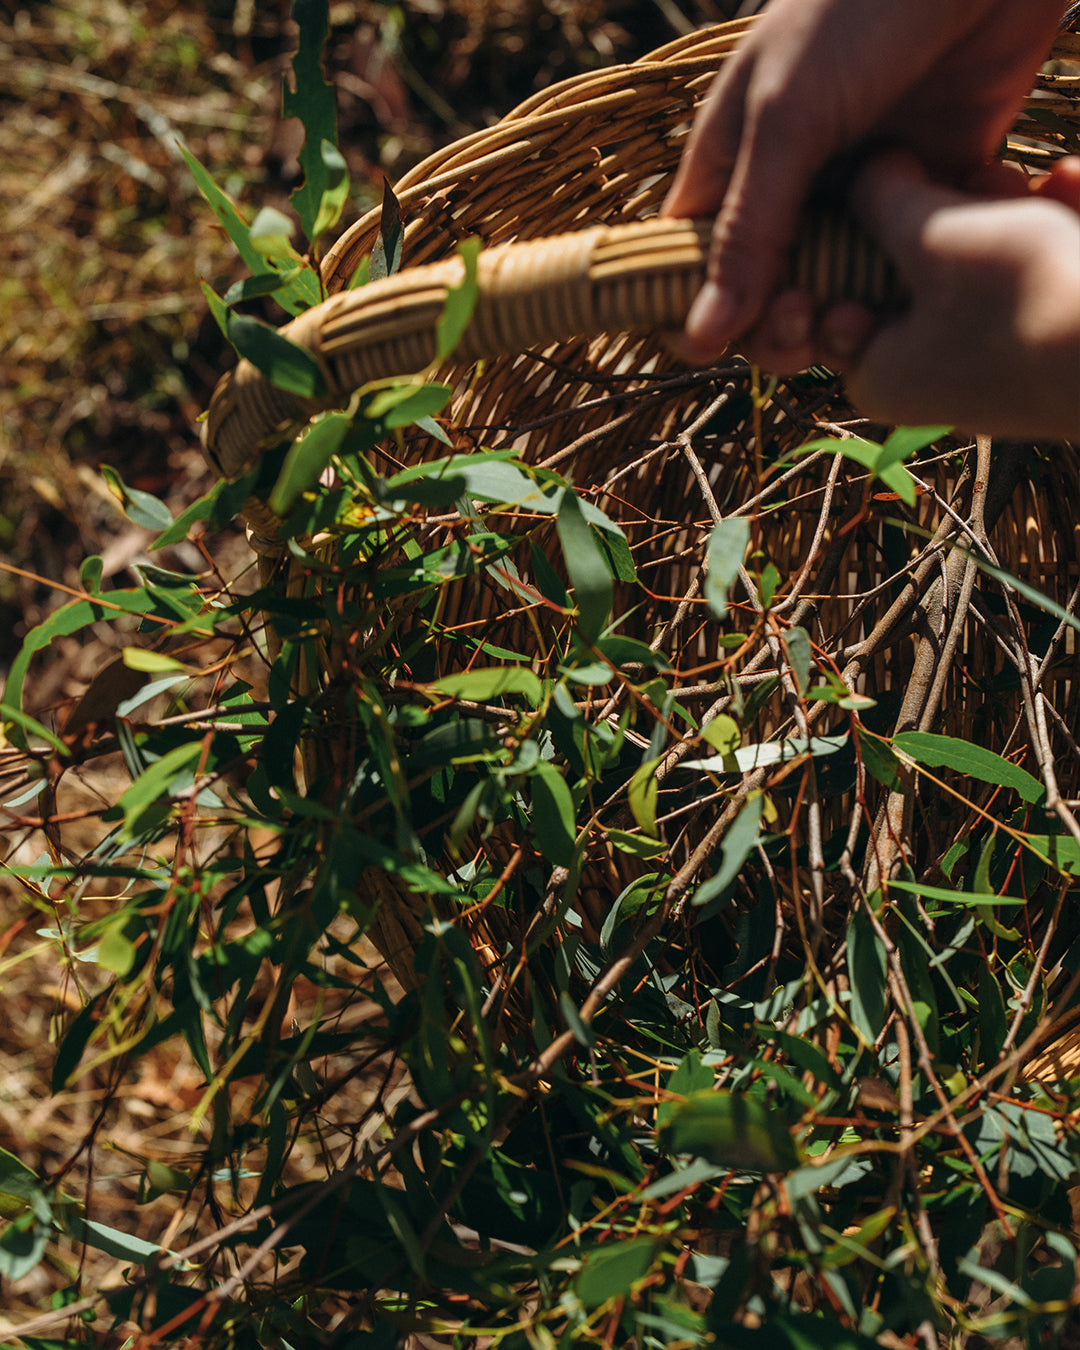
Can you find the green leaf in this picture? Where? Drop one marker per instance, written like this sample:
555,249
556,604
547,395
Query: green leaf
460,302
727,547
624,651
883,461
253,288
637,845
582,1031
725,737
768,584
116,951
285,364
405,1233
219,308
156,781
690,1076
797,644
141,658
642,794
993,1019
124,1246
587,566
69,618
968,758
612,1271
404,404
951,897
270,233
803,1053
227,212
738,844
857,1245
361,276
627,903
336,192
16,1179
835,691
22,1245
749,757
140,507
905,441
553,815
878,759
866,974
165,1180
683,1177
386,255
75,1041
1061,850
732,1130
795,1331
16,716
90,572
202,509
493,682
312,101
481,476
308,457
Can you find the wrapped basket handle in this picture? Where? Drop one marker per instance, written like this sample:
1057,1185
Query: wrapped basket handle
639,277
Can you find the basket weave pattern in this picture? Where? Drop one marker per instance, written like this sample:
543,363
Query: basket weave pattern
666,453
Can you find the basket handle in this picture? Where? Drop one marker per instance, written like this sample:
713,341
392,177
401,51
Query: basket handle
638,277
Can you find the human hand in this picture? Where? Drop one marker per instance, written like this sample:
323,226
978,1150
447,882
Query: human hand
991,338
941,78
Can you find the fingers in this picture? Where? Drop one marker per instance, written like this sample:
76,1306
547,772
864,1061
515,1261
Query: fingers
705,168
749,246
1062,183
897,203
750,164
794,334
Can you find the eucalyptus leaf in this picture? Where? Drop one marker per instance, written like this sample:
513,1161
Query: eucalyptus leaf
969,758
553,814
460,302
312,100
582,1031
308,457
797,644
386,255
492,682
738,843
285,364
335,173
642,796
404,404
866,975
588,569
140,507
724,558
16,1179
733,1131
270,233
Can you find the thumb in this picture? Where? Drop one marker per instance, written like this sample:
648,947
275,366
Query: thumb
895,200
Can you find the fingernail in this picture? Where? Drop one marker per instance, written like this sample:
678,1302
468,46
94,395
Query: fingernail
710,325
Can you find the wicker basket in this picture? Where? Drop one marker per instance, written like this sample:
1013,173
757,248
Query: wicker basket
577,377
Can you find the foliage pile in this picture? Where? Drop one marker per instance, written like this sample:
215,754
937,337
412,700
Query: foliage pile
679,1027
